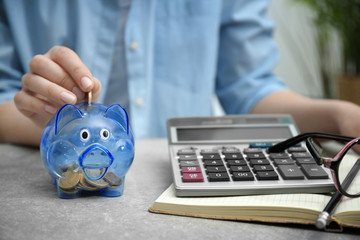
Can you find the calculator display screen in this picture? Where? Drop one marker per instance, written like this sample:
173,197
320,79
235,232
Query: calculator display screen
232,133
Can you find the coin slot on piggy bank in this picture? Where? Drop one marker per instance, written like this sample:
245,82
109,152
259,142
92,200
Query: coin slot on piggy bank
88,147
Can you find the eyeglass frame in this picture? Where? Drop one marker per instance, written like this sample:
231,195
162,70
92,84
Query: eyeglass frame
331,163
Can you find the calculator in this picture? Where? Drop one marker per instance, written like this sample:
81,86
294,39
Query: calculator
227,155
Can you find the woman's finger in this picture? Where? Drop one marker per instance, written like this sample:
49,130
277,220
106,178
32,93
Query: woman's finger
48,69
49,90
34,108
72,64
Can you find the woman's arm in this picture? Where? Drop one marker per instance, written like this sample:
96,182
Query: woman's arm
16,128
334,116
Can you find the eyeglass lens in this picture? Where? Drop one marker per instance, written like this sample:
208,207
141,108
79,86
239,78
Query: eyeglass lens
349,171
349,167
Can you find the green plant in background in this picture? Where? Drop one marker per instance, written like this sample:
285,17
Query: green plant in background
343,16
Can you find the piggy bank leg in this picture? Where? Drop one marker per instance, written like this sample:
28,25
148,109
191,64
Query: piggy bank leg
54,181
114,191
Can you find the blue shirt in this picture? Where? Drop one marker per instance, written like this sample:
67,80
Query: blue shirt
178,53
118,92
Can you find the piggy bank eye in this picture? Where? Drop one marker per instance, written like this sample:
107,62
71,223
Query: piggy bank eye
104,134
84,135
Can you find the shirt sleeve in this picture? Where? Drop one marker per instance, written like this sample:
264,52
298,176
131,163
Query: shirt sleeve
247,56
10,68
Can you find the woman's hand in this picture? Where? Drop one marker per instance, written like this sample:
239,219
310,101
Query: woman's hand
55,78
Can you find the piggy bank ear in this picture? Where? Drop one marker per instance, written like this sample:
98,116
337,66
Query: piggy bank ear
119,115
65,115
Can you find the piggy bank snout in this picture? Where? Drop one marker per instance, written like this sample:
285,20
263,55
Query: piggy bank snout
95,161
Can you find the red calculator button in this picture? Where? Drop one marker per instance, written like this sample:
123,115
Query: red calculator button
193,177
191,170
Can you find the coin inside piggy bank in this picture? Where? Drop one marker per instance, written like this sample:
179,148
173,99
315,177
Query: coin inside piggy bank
88,147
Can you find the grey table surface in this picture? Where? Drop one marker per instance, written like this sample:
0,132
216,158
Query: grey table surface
30,208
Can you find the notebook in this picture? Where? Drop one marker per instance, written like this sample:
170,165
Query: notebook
299,208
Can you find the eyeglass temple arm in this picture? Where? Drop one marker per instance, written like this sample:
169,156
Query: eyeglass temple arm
281,146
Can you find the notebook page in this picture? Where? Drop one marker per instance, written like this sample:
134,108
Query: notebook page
348,205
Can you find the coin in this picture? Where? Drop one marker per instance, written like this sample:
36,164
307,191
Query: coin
112,179
92,185
89,98
70,179
98,183
72,191
84,184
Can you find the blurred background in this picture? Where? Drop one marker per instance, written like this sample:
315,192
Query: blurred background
318,41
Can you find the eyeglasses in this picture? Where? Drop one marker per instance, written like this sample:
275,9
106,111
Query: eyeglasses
341,154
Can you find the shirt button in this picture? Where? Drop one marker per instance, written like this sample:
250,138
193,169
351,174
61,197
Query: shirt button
139,101
134,46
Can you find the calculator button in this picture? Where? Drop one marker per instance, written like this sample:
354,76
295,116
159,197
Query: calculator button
296,149
187,157
279,156
189,163
259,162
255,155
236,162
230,150
215,156
290,172
302,161
262,168
297,155
208,151
239,169
252,150
218,177
187,151
191,170
233,156
213,163
278,162
313,171
216,169
193,177
260,145
270,175
242,176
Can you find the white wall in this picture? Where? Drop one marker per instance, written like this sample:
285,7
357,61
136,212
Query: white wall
295,35
299,65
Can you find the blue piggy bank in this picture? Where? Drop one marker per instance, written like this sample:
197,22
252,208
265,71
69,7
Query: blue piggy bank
88,147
